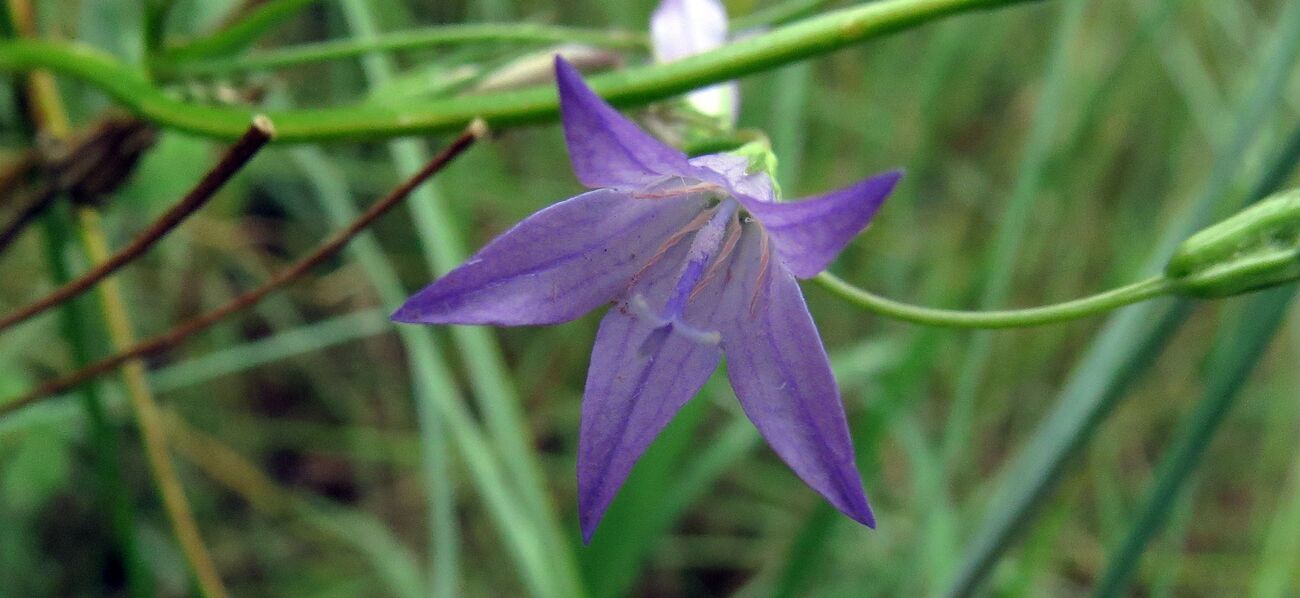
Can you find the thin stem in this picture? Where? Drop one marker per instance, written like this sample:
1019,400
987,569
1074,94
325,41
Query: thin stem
33,203
112,491
114,494
634,86
241,33
49,116
517,33
234,159
147,417
173,337
15,172
1018,318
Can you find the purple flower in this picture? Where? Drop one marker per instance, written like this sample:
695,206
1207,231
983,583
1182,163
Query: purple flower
699,260
682,28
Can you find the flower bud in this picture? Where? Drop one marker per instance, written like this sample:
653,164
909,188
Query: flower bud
1256,248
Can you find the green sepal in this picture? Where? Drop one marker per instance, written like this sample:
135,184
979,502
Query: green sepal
1256,248
761,159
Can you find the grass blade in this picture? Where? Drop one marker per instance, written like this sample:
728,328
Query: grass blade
1247,342
1129,341
439,405
1280,560
496,398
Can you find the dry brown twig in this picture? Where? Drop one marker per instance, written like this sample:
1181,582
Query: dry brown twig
333,245
257,136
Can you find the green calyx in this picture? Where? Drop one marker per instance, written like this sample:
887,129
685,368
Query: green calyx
1258,247
761,159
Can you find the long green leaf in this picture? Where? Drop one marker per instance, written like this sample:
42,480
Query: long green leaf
439,404
497,399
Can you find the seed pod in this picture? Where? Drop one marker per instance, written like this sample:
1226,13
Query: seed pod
1258,247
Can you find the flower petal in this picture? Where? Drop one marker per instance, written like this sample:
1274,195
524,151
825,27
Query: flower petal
607,149
809,233
782,377
681,28
732,172
557,264
636,384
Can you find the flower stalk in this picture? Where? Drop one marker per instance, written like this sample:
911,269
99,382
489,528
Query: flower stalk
1017,318
431,37
634,86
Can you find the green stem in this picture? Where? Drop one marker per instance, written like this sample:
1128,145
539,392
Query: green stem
517,33
240,34
810,37
112,490
108,468
1017,318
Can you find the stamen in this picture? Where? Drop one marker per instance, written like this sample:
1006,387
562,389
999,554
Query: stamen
764,260
677,191
729,244
692,226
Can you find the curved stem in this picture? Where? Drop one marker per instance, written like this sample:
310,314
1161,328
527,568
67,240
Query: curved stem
1016,318
517,33
810,37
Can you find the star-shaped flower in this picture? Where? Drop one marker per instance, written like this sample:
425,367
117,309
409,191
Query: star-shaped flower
699,260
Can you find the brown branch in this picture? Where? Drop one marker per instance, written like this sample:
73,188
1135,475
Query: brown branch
15,172
34,203
173,337
258,134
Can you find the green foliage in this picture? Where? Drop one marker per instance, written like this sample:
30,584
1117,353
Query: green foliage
1052,150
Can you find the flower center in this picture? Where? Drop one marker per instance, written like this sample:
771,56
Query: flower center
716,234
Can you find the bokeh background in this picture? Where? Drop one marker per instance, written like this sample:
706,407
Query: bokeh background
1052,149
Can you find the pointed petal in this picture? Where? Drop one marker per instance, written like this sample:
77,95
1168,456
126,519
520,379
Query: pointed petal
681,28
809,233
782,377
607,149
557,264
634,387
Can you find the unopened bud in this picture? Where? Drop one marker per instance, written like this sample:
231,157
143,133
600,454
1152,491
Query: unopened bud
1258,247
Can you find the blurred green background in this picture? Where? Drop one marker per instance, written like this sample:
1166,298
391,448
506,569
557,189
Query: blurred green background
1052,149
